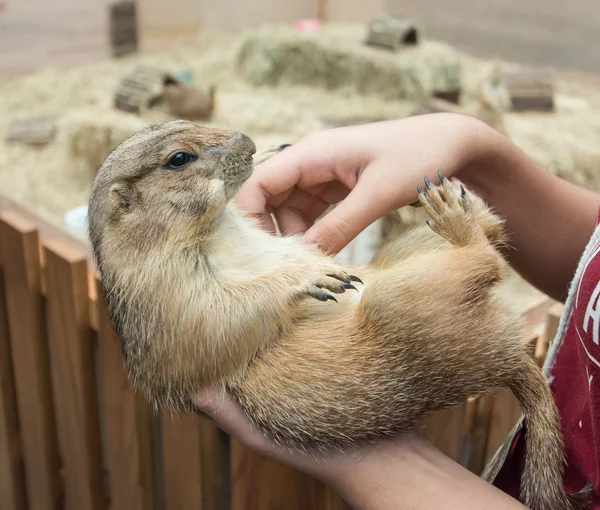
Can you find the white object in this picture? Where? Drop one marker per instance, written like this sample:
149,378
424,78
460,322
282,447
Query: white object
76,221
362,248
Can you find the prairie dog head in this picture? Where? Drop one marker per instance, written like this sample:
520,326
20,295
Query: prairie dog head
166,185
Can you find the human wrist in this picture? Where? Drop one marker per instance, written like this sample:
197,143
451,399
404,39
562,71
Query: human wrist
410,473
487,162
374,478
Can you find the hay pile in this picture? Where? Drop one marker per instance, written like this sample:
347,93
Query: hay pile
90,136
336,59
55,179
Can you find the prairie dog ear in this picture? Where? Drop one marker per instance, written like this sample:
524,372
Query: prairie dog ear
123,197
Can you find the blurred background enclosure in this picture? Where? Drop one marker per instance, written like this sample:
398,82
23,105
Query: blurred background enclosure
36,33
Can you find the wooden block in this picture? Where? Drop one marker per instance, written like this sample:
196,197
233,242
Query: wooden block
123,28
127,424
530,90
437,106
20,257
258,484
181,441
73,374
452,96
391,33
139,88
350,121
12,478
36,131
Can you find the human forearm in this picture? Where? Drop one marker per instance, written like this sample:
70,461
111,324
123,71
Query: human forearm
548,220
409,473
373,169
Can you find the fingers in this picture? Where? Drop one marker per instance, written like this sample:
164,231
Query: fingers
341,225
231,418
318,159
297,213
269,181
252,202
292,221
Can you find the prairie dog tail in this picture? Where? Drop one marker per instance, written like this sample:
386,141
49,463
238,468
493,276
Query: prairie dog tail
542,480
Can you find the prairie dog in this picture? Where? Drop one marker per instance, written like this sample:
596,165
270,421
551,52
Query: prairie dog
320,354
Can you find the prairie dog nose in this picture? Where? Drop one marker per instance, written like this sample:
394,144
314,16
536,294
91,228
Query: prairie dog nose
239,141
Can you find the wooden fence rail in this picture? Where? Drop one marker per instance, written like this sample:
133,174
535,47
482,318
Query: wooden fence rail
74,436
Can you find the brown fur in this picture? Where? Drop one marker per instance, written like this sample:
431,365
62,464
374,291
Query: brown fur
200,296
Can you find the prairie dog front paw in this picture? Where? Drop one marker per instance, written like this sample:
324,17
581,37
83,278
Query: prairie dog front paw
321,280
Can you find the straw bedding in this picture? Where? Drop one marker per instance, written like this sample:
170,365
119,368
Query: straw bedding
258,77
337,59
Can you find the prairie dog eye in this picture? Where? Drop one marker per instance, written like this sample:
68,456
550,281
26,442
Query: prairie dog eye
179,160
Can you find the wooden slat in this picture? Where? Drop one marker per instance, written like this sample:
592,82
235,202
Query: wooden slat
438,106
343,121
12,481
550,330
123,14
22,284
258,483
445,430
530,90
216,493
452,96
506,411
47,231
182,461
73,375
127,425
33,131
534,316
529,79
479,416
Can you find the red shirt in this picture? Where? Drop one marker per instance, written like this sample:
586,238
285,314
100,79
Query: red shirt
574,374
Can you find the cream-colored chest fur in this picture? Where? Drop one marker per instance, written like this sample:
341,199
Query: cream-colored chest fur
240,251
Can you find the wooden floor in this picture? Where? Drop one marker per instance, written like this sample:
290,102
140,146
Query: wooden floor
556,33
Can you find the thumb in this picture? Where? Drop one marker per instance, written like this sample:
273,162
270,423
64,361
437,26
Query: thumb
349,218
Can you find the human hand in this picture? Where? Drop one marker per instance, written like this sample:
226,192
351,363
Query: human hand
367,170
229,416
366,476
401,472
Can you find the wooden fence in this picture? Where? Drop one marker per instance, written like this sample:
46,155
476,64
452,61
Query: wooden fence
73,435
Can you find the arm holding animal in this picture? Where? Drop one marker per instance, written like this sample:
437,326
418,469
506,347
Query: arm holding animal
374,169
548,220
407,472
202,298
